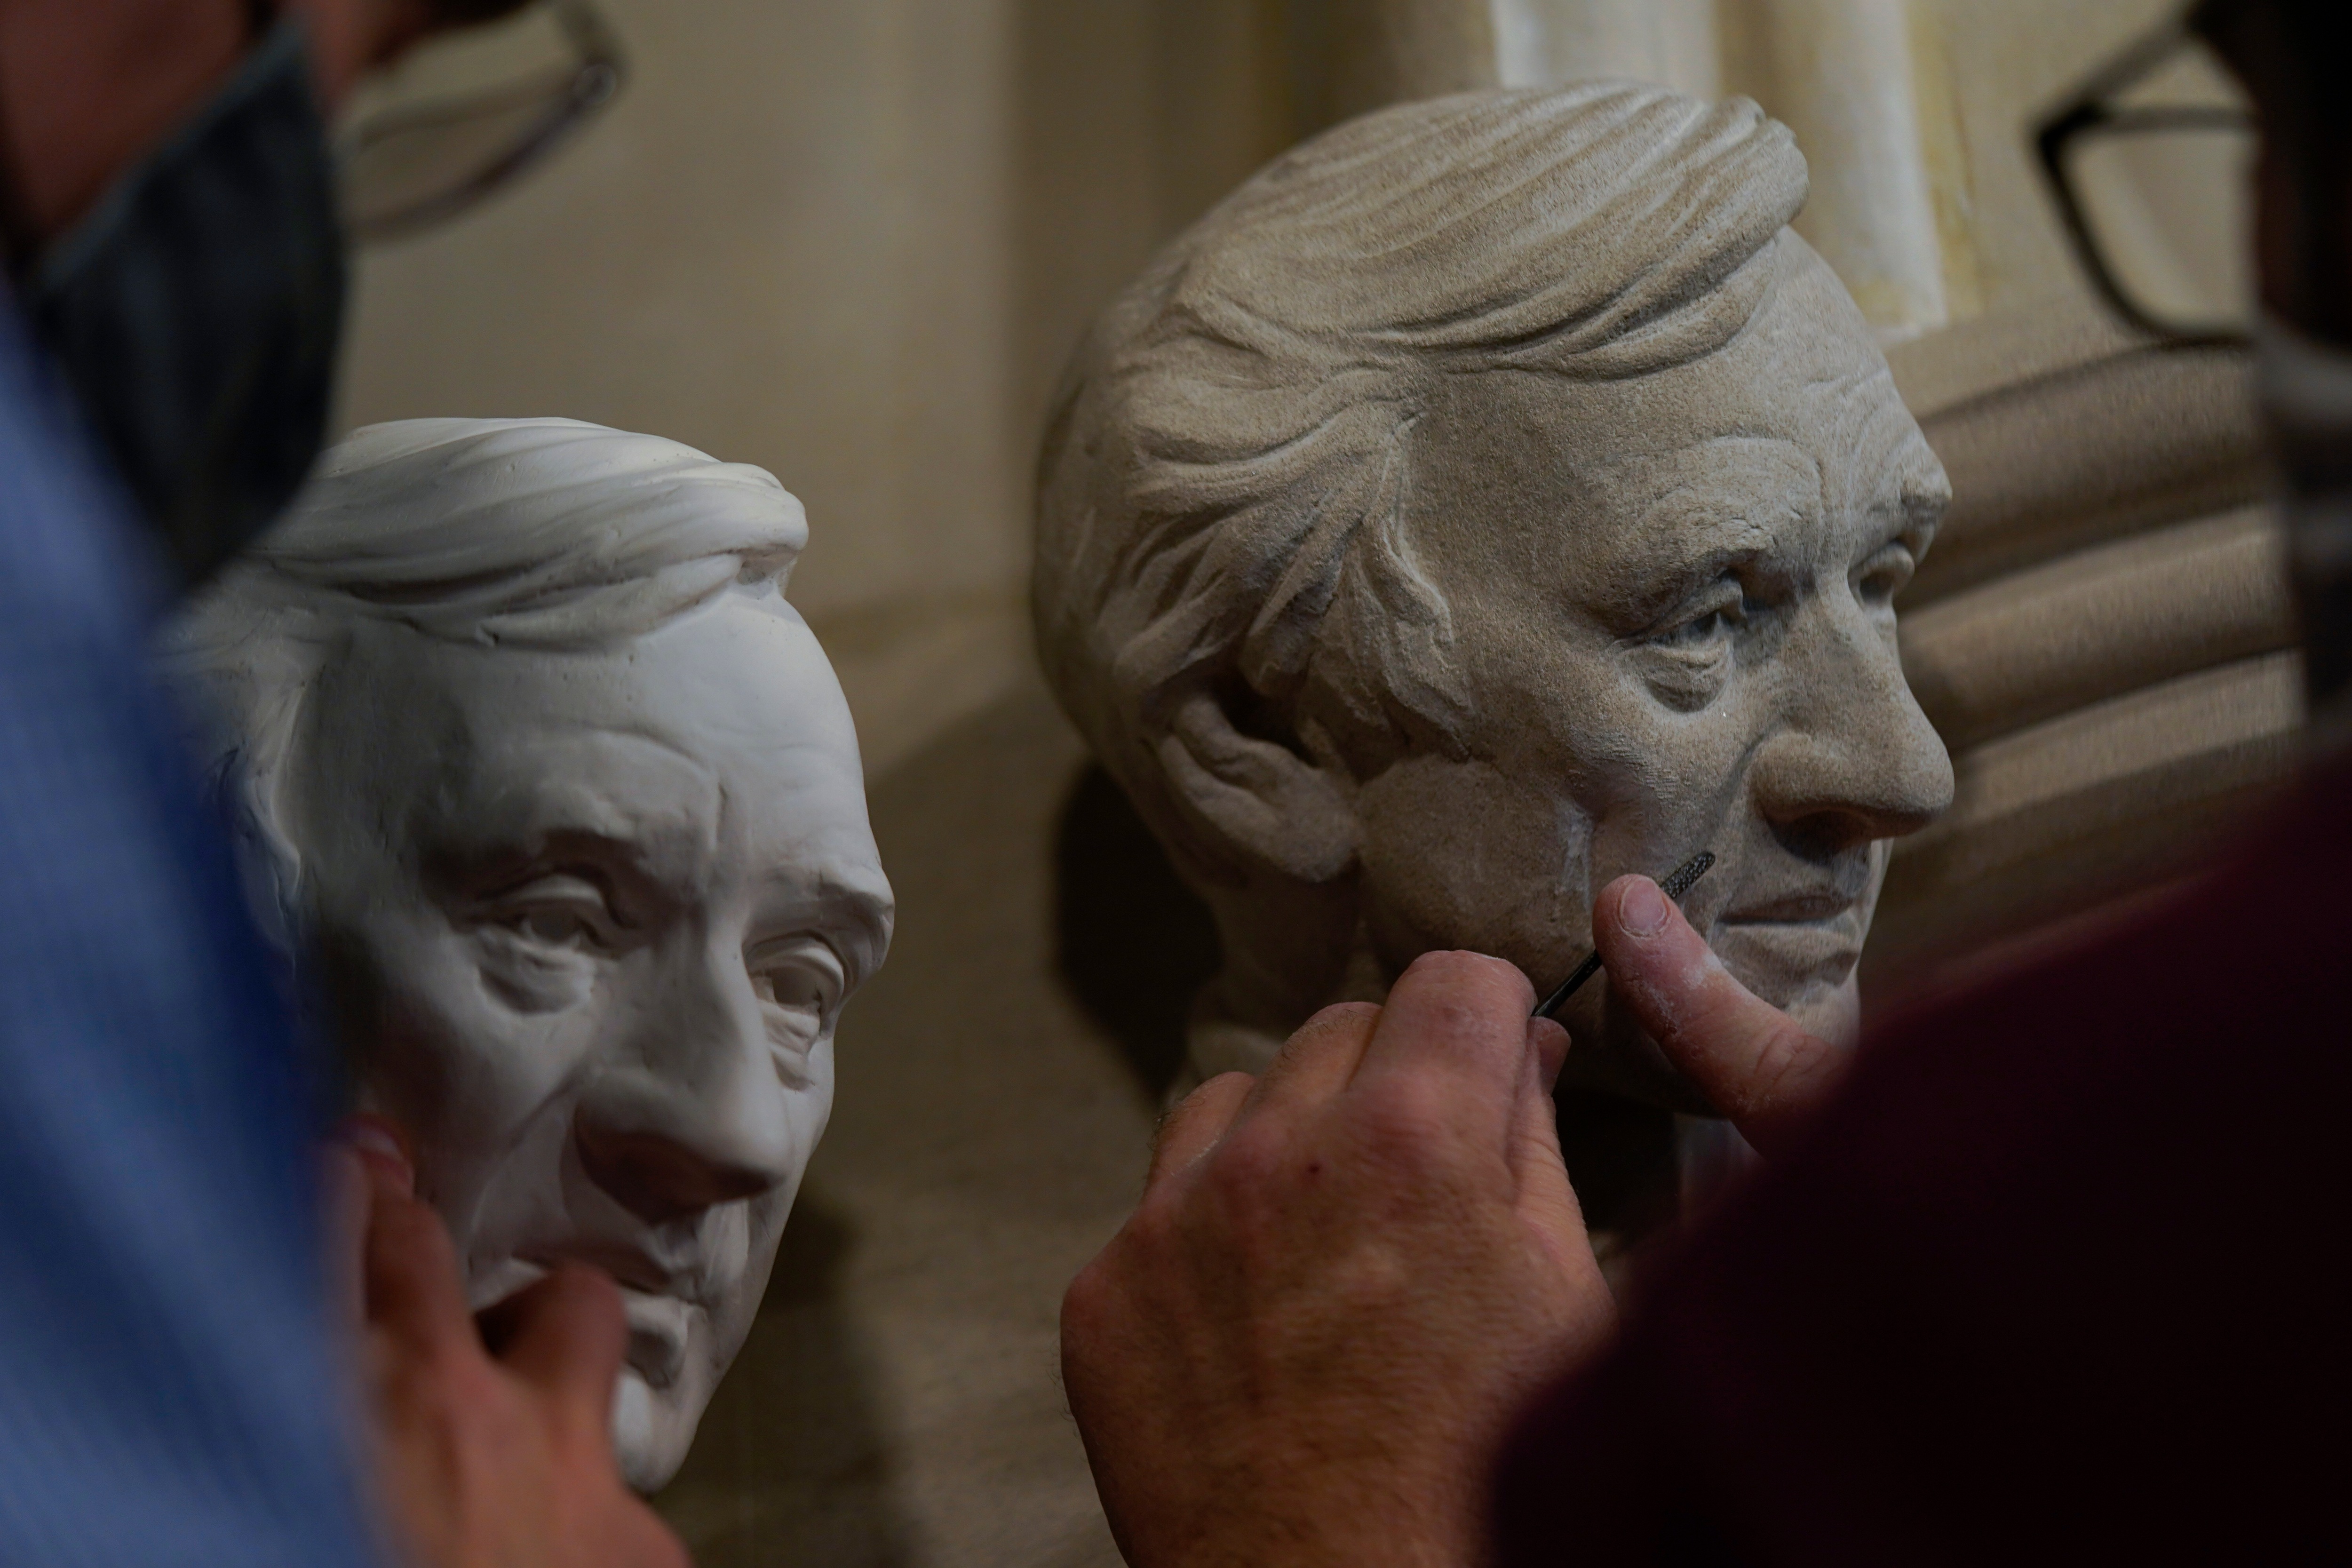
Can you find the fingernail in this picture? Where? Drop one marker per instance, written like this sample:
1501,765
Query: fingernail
377,1142
1642,907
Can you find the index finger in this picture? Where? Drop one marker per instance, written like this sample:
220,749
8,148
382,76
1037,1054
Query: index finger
1758,1066
1458,1020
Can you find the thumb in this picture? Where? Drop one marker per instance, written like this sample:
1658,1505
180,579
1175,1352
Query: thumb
1757,1065
565,1335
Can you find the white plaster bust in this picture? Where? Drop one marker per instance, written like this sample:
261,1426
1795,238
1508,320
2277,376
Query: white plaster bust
1490,498
566,799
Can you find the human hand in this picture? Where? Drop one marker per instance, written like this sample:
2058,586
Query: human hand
1341,1282
494,1455
1753,1062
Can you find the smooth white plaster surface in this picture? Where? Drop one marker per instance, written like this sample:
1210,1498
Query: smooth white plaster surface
560,805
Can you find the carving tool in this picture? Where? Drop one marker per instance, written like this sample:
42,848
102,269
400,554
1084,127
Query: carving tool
1674,886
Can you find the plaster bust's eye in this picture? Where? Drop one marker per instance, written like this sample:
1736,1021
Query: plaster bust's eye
800,983
799,977
557,928
564,913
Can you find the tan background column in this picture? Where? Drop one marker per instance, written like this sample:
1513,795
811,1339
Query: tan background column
1672,42
1841,73
1354,55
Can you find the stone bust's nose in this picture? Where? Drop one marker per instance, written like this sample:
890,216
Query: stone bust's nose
697,1116
1857,760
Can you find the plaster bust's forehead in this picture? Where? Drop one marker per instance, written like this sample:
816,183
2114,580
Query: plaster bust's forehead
716,746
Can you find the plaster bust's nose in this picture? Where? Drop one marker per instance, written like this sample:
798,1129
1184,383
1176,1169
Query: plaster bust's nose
701,1119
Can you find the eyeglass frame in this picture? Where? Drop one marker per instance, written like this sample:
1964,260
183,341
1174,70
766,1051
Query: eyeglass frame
599,71
2090,110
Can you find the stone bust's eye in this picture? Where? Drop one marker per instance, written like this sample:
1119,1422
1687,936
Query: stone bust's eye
1713,624
1708,624
1884,574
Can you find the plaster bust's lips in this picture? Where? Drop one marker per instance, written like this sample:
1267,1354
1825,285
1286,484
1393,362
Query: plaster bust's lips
659,1330
657,1304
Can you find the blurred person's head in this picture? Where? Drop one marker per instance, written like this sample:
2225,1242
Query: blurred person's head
533,755
168,206
2292,56
1490,498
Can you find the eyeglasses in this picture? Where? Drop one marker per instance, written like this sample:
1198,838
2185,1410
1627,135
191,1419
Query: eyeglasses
471,114
2152,166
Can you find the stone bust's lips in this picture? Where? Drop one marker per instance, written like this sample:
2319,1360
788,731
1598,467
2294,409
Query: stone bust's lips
1678,881
1801,906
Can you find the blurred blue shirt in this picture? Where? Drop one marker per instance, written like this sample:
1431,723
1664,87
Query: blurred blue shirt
167,1394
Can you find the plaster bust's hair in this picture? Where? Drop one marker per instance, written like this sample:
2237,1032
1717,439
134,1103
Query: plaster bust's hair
1221,493
538,533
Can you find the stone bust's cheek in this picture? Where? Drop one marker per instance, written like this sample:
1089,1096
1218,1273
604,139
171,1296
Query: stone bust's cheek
527,976
1462,855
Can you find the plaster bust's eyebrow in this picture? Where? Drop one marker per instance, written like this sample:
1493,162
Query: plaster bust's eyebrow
850,915
653,823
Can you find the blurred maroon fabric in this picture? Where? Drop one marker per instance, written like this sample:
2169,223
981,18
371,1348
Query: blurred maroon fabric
2059,1275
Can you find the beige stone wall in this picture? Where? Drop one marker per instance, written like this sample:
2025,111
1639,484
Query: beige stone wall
1914,113
852,244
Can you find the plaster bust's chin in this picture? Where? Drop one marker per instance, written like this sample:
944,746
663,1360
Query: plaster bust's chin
587,895
1492,500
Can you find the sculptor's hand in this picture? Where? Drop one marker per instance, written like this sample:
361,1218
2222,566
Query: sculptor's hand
484,1459
1342,1280
1754,1062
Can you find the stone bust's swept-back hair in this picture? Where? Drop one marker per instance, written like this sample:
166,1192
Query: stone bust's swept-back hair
1221,493
538,533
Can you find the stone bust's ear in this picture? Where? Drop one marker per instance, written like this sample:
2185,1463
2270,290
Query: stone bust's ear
1253,803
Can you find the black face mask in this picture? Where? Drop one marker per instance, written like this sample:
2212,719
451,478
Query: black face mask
196,312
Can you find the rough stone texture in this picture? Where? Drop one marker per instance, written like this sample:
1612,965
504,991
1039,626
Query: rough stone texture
2102,634
899,1401
1490,498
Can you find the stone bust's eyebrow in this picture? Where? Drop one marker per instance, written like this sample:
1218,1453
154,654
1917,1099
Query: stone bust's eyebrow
1690,516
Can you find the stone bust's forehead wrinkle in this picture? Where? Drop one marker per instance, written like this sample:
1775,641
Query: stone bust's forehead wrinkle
1665,529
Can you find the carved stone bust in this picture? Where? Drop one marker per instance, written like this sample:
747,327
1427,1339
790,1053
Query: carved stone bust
562,798
1492,497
